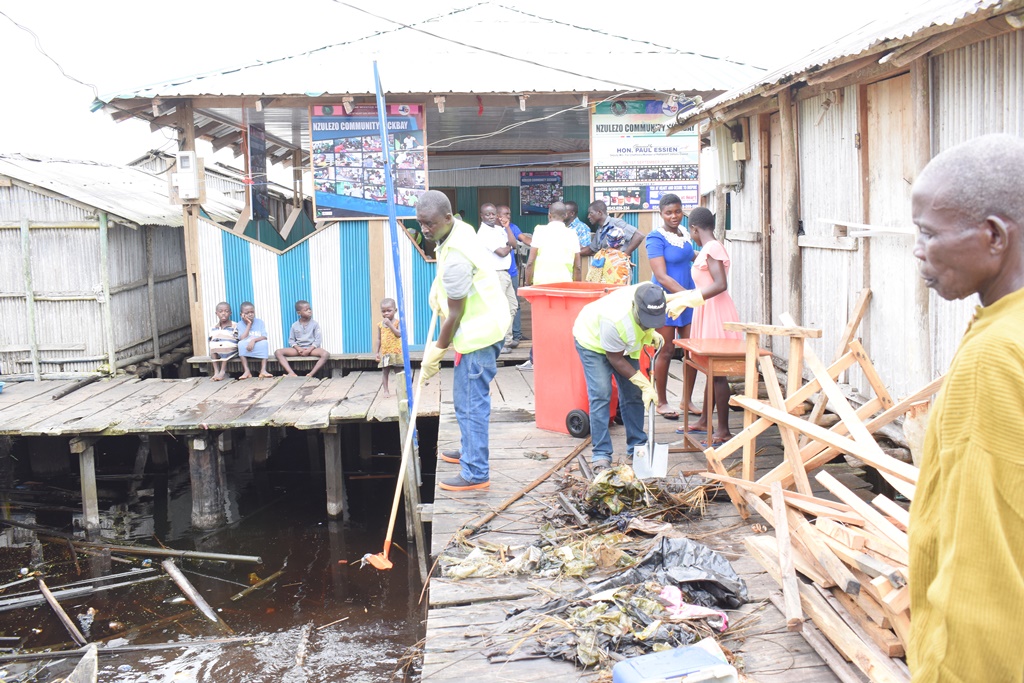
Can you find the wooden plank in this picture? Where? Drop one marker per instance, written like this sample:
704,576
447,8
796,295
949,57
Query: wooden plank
242,400
810,504
871,566
814,454
773,330
66,421
878,460
148,391
790,590
789,441
874,544
192,416
876,666
16,392
898,515
824,555
145,405
874,379
357,401
835,661
69,625
201,388
270,403
900,621
873,518
300,402
321,405
840,533
22,415
760,425
858,619
750,360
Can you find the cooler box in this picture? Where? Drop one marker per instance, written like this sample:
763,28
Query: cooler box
691,664
559,385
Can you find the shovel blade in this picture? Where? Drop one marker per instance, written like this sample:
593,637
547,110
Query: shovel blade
650,460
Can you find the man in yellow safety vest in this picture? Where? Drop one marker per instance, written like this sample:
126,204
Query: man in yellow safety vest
466,294
610,333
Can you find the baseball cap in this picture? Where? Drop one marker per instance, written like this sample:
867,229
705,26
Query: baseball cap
650,305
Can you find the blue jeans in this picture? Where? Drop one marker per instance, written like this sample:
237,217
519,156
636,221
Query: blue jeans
598,372
471,393
517,321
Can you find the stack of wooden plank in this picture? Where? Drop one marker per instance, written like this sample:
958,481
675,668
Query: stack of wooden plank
840,560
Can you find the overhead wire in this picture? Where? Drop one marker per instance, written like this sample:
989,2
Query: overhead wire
498,53
481,136
39,47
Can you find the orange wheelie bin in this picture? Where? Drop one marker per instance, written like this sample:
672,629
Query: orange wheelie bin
559,386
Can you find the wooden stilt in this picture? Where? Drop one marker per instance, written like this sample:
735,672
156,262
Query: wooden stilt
158,451
257,439
365,441
207,494
87,467
337,500
141,456
225,444
411,492
313,448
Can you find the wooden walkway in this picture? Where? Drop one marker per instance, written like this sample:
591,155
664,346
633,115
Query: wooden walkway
462,614
126,405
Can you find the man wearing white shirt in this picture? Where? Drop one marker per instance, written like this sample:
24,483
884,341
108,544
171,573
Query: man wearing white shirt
499,242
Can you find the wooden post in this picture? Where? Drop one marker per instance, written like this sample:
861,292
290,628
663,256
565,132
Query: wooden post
365,441
411,492
90,499
719,213
790,588
920,360
792,272
207,494
139,471
158,451
225,444
108,315
313,448
190,218
30,296
337,499
764,148
257,439
749,390
154,324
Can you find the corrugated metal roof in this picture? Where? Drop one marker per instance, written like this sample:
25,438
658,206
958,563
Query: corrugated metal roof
127,193
561,58
897,27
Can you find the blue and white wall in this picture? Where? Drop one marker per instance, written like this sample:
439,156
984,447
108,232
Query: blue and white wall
342,270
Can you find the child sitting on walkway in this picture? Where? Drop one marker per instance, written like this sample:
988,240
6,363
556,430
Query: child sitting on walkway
252,341
223,341
389,342
304,339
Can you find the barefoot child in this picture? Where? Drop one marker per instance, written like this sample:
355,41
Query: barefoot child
303,340
389,342
252,341
223,341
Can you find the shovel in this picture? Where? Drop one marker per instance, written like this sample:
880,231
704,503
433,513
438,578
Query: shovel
380,560
650,460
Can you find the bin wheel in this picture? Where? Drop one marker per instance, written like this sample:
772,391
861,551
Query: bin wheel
578,423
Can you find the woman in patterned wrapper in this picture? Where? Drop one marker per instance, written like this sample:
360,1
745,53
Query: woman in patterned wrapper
610,265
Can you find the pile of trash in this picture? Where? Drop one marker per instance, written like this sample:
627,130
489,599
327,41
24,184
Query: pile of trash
673,596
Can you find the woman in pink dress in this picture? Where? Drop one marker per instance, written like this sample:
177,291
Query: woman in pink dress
710,275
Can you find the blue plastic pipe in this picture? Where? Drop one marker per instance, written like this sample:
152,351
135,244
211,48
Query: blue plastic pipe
389,187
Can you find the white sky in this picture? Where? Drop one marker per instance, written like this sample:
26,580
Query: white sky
119,44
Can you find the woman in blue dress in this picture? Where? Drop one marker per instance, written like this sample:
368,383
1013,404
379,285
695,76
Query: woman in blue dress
671,256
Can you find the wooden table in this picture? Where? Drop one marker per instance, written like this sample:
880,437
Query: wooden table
714,358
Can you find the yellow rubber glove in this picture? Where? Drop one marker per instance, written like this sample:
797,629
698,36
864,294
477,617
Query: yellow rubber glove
431,364
657,341
650,396
680,301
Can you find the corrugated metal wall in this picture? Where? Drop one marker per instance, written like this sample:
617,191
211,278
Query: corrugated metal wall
406,254
17,203
326,283
67,283
746,276
830,190
357,309
976,89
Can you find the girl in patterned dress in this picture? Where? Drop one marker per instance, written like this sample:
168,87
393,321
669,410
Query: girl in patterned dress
389,342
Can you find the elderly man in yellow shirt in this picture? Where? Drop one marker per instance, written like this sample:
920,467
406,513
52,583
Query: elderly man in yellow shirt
967,519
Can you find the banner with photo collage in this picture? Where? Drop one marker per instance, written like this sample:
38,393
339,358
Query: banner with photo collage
635,162
538,190
348,160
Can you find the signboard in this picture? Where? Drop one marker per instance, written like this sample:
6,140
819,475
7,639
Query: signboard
259,193
538,190
348,159
635,162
